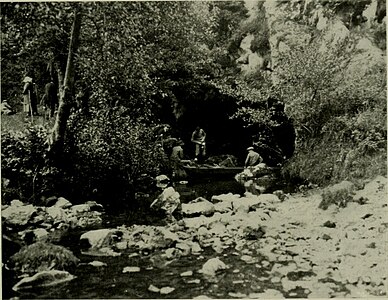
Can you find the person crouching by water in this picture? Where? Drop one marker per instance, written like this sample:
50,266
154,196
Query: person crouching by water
168,202
198,138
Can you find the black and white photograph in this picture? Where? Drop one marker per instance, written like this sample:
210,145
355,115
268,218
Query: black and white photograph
194,149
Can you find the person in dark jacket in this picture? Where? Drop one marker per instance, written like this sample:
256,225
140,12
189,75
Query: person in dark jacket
50,98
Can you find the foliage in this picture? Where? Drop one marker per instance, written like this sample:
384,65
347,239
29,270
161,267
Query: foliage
34,42
43,256
24,162
110,152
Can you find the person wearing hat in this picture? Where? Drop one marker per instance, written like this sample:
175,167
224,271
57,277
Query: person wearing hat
198,138
29,97
253,158
169,200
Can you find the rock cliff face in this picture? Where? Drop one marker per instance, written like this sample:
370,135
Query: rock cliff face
297,23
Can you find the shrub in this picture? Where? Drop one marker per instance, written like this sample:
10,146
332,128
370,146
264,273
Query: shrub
110,153
42,256
25,165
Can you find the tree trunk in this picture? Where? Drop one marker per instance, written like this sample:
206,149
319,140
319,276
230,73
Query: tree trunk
65,93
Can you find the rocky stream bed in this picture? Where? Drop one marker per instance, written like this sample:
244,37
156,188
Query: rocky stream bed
229,246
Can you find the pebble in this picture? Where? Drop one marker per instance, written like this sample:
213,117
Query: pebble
275,279
196,281
153,289
97,263
166,290
131,269
238,281
237,295
186,274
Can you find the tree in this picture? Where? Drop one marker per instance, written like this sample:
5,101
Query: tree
65,100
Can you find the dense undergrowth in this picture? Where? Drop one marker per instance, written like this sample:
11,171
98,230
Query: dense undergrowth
107,158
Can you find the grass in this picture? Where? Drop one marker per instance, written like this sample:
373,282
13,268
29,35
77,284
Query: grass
19,121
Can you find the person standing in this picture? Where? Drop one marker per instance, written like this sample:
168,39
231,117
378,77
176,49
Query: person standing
176,160
198,138
50,98
30,98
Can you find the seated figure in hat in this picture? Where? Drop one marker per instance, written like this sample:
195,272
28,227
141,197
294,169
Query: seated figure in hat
253,158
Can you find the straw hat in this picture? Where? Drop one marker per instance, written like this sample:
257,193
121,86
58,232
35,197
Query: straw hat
27,79
250,148
162,181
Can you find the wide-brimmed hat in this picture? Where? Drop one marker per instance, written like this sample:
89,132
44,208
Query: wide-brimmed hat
162,181
250,148
27,79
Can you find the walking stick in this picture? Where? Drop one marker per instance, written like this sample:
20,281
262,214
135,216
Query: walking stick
29,102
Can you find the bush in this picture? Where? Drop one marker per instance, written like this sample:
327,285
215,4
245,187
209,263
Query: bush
41,257
110,154
25,165
339,194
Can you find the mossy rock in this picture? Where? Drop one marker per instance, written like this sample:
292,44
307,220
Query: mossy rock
42,256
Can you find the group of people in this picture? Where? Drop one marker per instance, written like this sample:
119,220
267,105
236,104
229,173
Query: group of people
198,138
49,100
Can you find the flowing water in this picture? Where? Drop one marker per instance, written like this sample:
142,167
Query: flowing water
239,280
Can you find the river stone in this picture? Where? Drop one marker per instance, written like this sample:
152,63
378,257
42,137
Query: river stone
40,234
153,289
80,208
202,231
98,238
50,201
184,247
96,263
223,207
170,253
131,270
269,198
196,248
17,203
212,266
224,197
199,206
63,203
44,278
187,274
122,245
166,290
57,213
17,215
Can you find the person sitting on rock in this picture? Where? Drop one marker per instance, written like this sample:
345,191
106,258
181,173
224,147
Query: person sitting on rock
253,158
168,201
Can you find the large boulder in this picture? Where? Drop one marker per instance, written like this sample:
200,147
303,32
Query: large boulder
18,214
148,238
43,279
199,206
57,214
97,239
63,203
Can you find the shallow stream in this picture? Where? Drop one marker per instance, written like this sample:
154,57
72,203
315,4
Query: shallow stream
239,280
